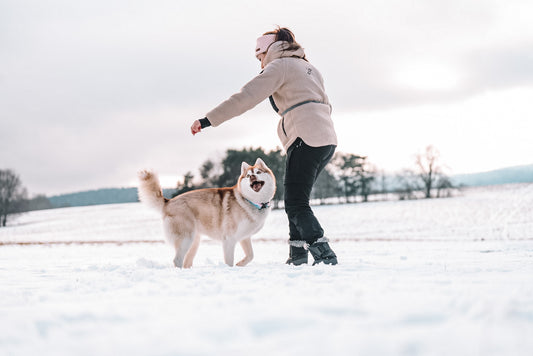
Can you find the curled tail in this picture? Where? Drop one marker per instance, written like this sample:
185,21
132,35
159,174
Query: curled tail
150,192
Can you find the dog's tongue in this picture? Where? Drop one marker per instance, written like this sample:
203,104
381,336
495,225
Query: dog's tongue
256,186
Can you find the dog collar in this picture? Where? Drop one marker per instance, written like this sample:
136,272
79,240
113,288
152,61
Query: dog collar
260,206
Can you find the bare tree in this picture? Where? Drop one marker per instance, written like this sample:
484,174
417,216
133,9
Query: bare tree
11,193
444,187
407,185
431,171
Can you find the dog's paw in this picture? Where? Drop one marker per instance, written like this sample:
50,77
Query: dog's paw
243,262
187,264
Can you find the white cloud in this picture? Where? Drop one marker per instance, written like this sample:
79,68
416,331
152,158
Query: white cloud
483,132
424,75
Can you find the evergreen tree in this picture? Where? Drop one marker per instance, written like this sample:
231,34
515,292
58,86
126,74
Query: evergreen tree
276,160
231,164
326,186
346,166
186,186
207,173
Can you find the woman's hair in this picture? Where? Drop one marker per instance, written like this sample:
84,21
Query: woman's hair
284,34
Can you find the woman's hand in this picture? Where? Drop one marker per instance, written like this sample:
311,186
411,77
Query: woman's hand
196,127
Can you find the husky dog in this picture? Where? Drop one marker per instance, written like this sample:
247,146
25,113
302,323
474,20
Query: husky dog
230,214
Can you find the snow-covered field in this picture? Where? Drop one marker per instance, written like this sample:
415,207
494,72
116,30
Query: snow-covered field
429,277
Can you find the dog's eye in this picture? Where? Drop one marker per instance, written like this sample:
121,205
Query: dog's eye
258,172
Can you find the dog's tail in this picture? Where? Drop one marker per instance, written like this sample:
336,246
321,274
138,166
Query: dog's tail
150,192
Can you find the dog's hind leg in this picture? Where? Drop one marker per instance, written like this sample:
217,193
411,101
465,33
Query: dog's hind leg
189,257
179,234
246,245
182,246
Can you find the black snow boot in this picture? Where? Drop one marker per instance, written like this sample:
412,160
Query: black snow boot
297,253
322,252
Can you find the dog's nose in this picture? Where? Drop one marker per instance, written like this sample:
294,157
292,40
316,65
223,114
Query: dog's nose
253,178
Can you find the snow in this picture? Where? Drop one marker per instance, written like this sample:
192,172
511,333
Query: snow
429,277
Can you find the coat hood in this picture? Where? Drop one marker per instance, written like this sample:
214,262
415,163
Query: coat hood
280,49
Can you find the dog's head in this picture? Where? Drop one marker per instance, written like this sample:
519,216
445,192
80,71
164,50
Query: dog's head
257,183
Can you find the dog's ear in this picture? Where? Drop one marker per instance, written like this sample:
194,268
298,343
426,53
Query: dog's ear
259,162
244,167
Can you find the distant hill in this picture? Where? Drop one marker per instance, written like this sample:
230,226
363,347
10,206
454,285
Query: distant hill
100,196
518,174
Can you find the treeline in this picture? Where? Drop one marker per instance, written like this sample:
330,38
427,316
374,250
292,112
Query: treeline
347,178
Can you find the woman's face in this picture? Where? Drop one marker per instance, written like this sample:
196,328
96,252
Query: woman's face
261,57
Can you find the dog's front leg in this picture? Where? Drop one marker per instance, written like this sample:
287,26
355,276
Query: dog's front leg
229,251
246,245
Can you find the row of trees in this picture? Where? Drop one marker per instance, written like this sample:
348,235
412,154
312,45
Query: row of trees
347,178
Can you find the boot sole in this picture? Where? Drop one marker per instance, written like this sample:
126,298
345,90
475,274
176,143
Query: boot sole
297,262
329,261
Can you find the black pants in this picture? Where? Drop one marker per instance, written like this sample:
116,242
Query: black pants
304,164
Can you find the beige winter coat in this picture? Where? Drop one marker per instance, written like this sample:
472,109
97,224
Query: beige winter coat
291,81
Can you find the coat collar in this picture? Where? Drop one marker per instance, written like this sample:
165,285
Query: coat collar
279,50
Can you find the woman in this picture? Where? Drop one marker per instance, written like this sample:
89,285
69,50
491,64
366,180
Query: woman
296,91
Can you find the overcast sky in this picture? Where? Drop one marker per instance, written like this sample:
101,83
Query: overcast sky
93,91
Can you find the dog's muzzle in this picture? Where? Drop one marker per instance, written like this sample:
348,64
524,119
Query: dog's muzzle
255,184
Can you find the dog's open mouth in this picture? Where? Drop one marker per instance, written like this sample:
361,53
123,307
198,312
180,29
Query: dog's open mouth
257,185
